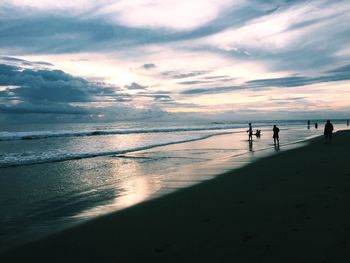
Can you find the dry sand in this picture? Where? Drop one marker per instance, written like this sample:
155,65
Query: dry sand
290,207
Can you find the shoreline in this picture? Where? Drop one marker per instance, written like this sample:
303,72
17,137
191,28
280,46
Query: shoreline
258,213
233,153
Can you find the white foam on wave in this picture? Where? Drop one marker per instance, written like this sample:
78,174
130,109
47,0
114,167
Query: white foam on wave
34,135
28,159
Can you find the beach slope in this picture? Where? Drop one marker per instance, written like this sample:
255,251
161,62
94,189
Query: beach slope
290,207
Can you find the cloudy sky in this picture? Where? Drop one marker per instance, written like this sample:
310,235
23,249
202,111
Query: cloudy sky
125,58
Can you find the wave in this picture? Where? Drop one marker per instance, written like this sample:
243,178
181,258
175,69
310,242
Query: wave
30,160
35,135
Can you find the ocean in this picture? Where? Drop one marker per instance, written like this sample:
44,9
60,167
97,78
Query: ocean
53,176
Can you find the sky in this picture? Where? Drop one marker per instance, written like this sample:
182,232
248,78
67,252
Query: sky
130,59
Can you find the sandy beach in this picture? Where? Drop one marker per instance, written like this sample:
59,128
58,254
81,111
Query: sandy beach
289,207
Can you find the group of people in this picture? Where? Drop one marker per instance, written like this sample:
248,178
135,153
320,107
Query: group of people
275,136
328,132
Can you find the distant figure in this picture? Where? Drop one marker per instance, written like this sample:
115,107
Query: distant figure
328,131
347,123
308,125
250,132
275,135
316,125
258,133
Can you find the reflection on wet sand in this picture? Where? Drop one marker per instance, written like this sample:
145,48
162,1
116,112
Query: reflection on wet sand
134,189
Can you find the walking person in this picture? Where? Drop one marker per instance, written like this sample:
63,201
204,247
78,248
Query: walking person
275,136
328,131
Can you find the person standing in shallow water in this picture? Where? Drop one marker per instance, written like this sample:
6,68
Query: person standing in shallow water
328,131
250,132
275,135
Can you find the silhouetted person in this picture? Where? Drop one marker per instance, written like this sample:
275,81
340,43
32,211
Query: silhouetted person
258,133
328,131
250,132
275,135
308,125
347,123
316,125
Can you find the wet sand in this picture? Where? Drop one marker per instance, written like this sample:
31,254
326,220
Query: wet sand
290,207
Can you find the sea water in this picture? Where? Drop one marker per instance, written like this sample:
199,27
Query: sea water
57,175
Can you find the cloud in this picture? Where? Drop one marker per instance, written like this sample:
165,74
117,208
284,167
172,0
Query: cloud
53,28
59,34
124,112
280,82
182,75
334,75
213,90
288,99
159,96
140,13
233,49
341,70
148,66
33,94
297,36
51,91
217,77
135,86
160,14
162,98
22,62
205,80
282,28
337,74
192,82
43,85
25,108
